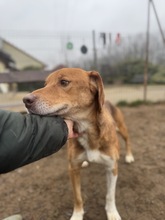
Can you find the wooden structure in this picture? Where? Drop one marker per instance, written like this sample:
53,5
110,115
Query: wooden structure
23,76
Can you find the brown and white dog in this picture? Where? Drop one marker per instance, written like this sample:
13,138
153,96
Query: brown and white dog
79,95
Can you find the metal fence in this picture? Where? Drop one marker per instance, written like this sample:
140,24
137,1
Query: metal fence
132,93
55,48
115,93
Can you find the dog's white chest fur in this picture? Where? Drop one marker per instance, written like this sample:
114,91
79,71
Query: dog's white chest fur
90,155
94,156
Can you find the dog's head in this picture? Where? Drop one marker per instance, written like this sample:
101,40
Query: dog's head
66,92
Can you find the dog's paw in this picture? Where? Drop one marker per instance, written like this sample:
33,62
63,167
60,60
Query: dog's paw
129,158
77,215
113,215
14,217
85,164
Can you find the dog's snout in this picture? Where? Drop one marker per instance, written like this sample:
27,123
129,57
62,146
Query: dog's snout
29,100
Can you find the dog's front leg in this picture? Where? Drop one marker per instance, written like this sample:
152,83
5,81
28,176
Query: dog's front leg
111,210
78,211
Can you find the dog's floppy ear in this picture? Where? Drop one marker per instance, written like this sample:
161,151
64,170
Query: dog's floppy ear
96,86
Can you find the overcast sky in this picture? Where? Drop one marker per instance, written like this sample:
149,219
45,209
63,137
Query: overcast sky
114,16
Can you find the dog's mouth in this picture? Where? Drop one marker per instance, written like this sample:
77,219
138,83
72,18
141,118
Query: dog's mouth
58,110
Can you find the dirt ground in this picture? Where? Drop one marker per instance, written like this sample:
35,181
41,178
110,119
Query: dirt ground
42,190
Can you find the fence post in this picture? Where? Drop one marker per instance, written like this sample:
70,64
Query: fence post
94,50
147,53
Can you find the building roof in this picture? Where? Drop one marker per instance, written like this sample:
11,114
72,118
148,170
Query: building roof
22,51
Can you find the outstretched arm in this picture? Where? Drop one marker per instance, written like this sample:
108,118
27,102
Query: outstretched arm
28,138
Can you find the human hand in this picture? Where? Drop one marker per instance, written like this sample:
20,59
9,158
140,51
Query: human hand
71,133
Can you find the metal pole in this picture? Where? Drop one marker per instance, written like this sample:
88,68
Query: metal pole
94,50
109,46
147,52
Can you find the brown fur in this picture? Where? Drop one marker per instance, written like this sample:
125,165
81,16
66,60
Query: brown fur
79,95
121,128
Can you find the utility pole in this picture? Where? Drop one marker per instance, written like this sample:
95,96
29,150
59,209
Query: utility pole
147,43
94,50
147,52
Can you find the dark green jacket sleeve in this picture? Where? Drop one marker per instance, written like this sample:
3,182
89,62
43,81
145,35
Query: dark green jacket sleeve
27,138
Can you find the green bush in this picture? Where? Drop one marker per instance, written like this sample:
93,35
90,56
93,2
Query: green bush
122,103
128,69
159,76
135,103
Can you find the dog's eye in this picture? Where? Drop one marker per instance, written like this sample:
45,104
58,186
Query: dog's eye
64,82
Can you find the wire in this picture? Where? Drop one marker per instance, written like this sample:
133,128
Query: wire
158,21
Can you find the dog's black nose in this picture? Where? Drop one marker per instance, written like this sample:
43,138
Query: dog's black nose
29,100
